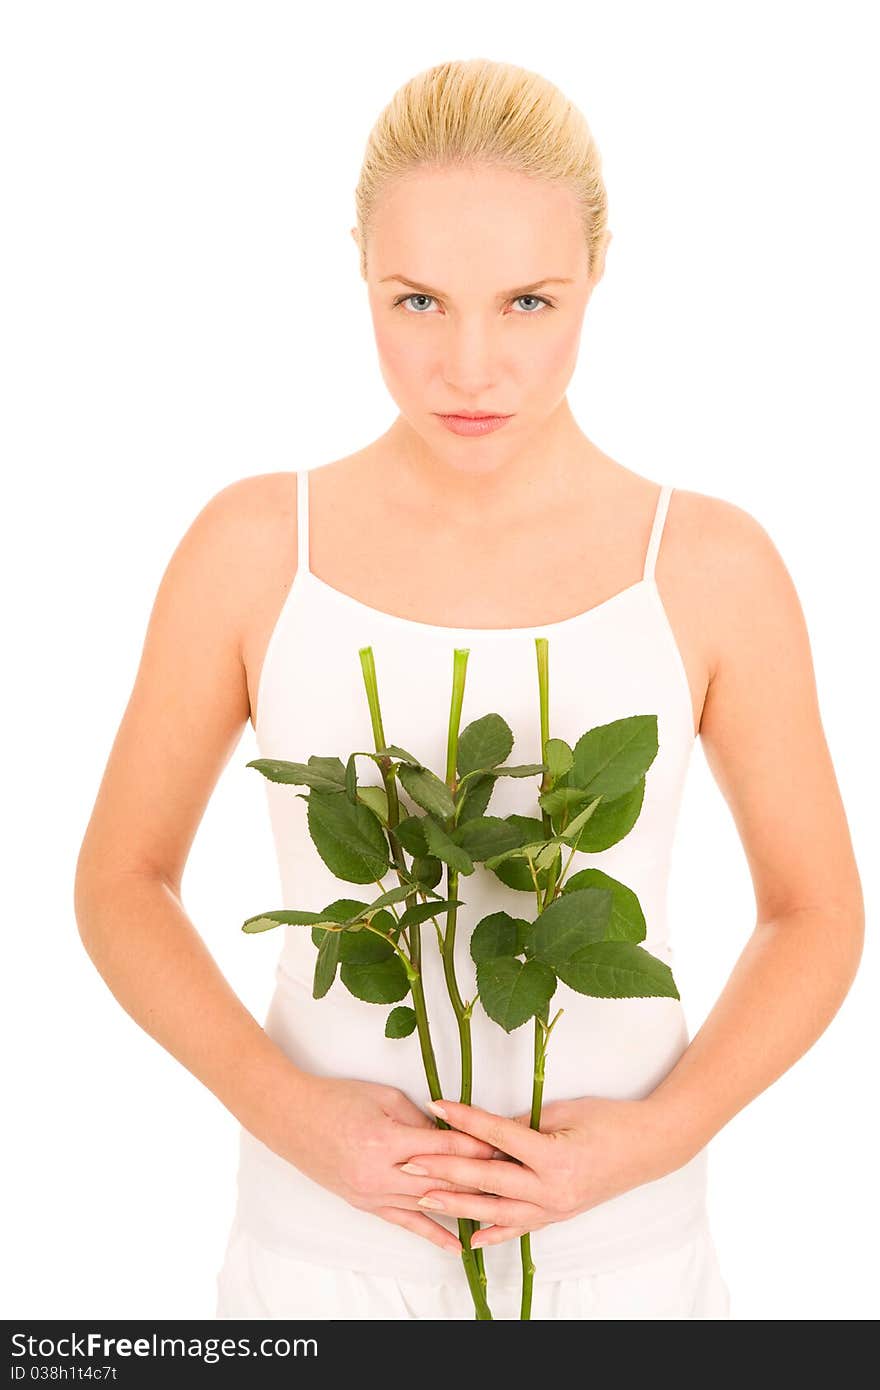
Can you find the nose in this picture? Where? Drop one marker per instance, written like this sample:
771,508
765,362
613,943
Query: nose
470,359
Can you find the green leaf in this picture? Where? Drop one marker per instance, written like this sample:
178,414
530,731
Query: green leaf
410,831
393,895
562,799
627,921
558,757
264,921
574,827
617,970
519,770
258,924
400,1022
331,768
515,872
299,774
363,947
515,852
427,870
613,757
442,847
421,912
339,911
348,837
572,921
611,821
427,790
325,965
496,935
486,836
351,781
472,799
547,855
376,800
483,744
392,750
381,983
512,991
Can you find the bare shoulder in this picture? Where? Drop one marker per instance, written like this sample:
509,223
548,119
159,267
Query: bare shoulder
243,545
260,506
710,551
727,563
261,512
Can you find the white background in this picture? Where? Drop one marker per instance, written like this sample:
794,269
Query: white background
182,307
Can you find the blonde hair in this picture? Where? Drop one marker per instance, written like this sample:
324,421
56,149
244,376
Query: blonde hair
479,112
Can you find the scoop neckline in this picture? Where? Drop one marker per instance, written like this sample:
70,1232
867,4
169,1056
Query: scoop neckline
308,575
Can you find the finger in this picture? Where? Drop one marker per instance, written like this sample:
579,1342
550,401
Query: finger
548,1123
411,1140
502,1211
502,1133
402,1111
490,1175
421,1225
494,1235
415,1186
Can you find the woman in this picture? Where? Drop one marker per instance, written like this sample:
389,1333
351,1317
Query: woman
481,228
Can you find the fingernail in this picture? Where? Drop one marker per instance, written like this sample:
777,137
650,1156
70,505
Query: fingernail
476,1242
430,1202
436,1108
414,1168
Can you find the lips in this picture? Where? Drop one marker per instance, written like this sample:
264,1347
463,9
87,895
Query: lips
474,424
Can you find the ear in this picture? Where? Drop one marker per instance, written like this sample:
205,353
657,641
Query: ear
354,236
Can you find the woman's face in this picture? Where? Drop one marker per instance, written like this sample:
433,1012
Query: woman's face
478,284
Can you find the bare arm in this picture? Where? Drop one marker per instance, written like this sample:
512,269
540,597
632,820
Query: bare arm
162,973
182,723
765,745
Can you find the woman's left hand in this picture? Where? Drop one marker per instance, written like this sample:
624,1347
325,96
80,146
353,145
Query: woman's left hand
586,1151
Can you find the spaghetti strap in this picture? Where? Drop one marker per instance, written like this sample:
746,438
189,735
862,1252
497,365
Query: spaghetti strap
302,519
657,530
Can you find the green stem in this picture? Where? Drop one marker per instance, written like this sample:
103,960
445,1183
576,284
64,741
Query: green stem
542,1037
471,1259
565,868
408,965
467,1225
525,1244
541,647
528,1265
414,974
462,1015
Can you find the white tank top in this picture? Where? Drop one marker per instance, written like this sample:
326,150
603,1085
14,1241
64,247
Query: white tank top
616,659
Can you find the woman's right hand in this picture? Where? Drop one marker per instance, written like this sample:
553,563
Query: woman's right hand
351,1136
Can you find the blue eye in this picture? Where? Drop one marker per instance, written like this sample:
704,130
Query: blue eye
404,298
535,297
428,298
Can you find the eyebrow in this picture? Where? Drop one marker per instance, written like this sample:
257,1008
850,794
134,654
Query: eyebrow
507,294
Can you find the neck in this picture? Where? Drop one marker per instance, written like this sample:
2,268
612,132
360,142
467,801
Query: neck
476,479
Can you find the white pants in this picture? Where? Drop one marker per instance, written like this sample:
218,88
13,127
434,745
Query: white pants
257,1282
